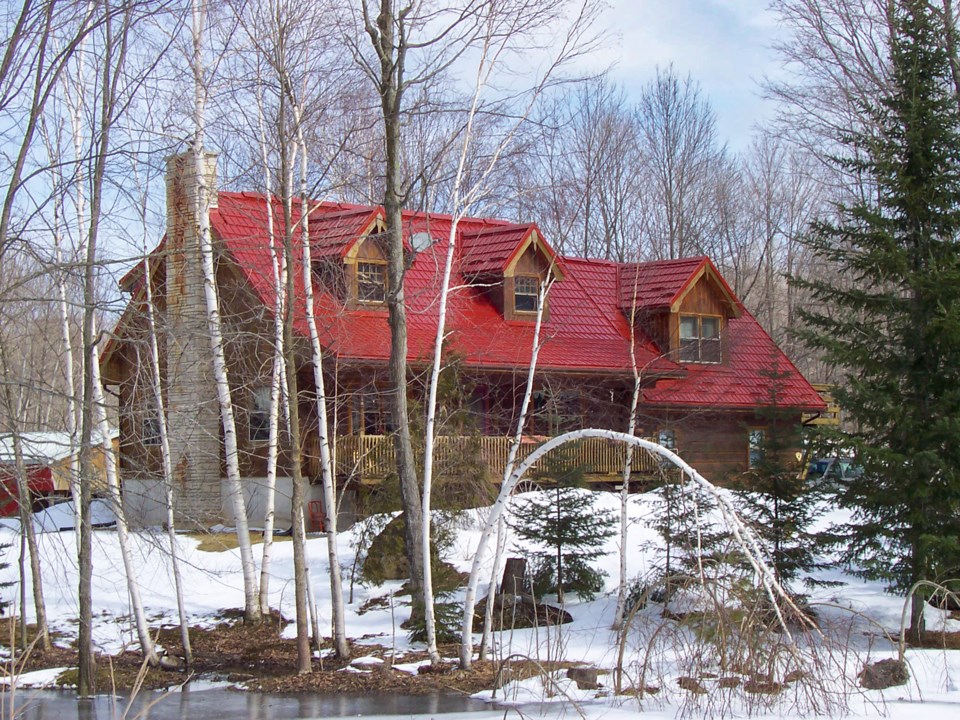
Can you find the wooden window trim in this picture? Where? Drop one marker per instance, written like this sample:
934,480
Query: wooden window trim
370,269
517,280
699,339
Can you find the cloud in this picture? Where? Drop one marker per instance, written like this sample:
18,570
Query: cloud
723,44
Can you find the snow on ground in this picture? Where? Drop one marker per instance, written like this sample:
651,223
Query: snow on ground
213,582
61,517
36,679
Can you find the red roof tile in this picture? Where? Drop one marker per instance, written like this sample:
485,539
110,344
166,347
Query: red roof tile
656,284
490,249
587,330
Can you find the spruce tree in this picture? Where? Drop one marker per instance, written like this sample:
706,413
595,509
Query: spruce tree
567,532
691,539
893,326
779,503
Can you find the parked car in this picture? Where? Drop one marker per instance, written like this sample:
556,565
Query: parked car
833,470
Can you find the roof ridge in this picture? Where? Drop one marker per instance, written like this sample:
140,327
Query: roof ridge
494,229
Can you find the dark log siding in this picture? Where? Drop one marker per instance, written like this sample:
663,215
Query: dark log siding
715,443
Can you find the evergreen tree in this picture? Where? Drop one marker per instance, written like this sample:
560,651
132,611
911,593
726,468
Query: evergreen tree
685,519
567,531
776,499
895,328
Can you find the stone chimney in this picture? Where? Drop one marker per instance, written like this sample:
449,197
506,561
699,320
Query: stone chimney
193,413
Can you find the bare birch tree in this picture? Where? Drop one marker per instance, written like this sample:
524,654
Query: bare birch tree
278,268
251,610
492,521
110,81
415,44
24,503
503,34
156,385
302,82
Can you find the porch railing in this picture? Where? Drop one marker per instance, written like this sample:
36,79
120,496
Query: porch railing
370,458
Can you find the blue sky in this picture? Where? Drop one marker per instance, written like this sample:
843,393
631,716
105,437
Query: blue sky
723,44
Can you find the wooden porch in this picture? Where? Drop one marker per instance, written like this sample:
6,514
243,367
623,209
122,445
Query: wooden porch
369,459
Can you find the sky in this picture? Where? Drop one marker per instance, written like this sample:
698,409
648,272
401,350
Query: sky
725,45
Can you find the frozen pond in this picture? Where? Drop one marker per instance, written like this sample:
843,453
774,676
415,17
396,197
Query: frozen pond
223,703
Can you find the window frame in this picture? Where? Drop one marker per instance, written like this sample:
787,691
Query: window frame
756,448
150,429
667,437
526,294
258,415
369,417
366,273
698,341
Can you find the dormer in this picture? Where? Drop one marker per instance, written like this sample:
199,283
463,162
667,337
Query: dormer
683,305
510,264
350,256
365,268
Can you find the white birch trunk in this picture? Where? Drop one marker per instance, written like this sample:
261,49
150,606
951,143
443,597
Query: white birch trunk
430,431
323,428
506,489
251,598
165,456
277,376
486,638
76,104
461,202
123,532
69,386
55,154
627,469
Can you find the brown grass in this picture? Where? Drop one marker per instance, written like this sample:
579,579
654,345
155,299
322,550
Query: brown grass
219,542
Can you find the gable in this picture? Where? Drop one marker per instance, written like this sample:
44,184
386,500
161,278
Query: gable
496,250
706,293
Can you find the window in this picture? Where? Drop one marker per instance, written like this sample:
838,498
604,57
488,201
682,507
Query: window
668,439
369,414
565,412
371,282
699,339
150,434
259,423
755,441
526,293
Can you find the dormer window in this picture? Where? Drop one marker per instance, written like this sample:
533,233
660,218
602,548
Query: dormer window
371,282
700,338
526,293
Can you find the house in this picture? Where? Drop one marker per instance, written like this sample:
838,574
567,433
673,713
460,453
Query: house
710,375
48,459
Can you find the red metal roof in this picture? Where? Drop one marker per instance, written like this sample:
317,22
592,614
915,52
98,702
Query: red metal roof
755,373
656,284
489,250
587,330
